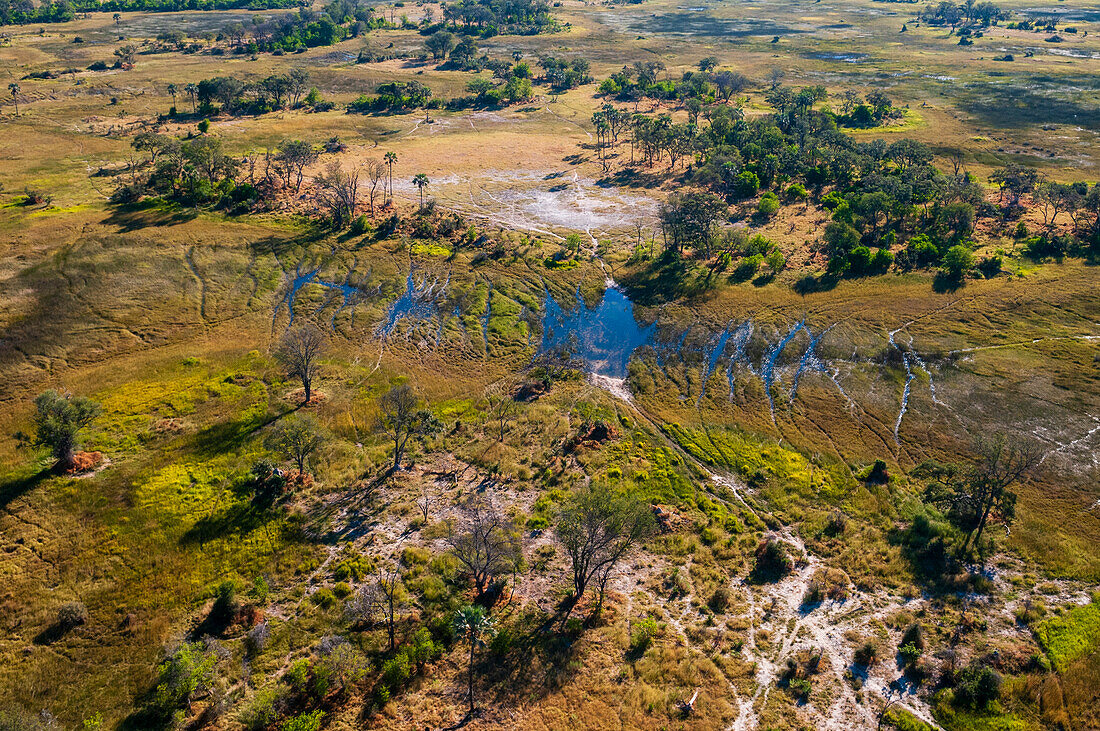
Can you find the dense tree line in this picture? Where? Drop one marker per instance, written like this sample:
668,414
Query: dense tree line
18,12
490,17
885,200
510,84
233,96
983,14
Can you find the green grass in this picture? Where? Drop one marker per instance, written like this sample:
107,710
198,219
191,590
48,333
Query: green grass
964,719
1071,635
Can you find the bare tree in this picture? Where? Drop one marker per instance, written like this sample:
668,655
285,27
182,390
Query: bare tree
502,410
597,526
379,600
403,418
338,192
298,352
485,542
426,500
376,171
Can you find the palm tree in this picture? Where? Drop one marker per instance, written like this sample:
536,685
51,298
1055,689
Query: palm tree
473,625
173,91
193,90
391,159
14,89
421,181
118,19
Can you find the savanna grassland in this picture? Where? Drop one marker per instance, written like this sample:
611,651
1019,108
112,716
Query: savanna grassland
795,304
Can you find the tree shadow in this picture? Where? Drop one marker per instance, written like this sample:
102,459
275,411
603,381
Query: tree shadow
50,635
810,284
229,436
667,278
19,486
148,214
944,283
630,178
237,519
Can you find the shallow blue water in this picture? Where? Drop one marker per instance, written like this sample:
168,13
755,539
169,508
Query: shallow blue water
603,336
415,303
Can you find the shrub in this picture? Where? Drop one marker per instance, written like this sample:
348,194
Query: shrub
772,561
225,601
310,721
957,262
747,268
910,653
264,710
768,205
867,653
641,637
977,685
914,635
721,599
297,675
800,687
797,191
396,670
324,598
342,590
72,614
360,225
747,184
837,524
990,266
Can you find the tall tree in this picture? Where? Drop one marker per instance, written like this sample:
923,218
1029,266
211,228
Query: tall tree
421,181
486,543
338,192
403,418
391,159
14,89
296,438
299,352
474,626
977,494
293,157
597,526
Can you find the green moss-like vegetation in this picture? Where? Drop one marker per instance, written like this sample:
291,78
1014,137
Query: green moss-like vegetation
1071,635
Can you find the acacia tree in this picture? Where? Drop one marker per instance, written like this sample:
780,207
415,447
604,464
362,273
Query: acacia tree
439,44
403,418
299,352
296,438
975,495
597,526
486,543
58,419
690,219
473,625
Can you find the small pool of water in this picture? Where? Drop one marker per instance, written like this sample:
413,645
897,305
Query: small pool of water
604,336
